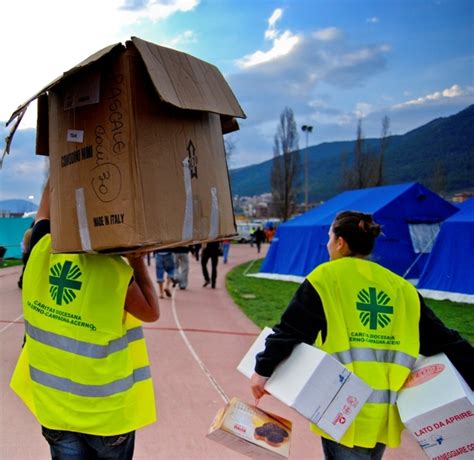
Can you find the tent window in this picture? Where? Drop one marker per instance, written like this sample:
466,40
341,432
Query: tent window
423,236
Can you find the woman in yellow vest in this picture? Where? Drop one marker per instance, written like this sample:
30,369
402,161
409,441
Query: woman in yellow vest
84,371
370,319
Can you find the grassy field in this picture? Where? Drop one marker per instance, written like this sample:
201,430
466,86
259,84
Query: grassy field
263,301
10,262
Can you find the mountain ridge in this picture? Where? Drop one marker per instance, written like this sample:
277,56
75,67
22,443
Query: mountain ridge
17,205
444,143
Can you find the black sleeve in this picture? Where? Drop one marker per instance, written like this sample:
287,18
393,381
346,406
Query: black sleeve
301,322
40,229
435,338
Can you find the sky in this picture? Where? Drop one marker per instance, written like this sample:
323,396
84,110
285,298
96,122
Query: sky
332,62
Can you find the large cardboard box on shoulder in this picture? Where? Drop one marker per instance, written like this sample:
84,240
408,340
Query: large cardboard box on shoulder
251,431
437,407
135,139
313,383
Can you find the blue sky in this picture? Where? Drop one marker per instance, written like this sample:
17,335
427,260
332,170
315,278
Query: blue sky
331,61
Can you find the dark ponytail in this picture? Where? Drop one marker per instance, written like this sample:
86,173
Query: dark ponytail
358,230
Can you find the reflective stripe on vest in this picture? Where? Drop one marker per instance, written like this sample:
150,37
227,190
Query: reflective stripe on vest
97,391
82,348
383,397
378,355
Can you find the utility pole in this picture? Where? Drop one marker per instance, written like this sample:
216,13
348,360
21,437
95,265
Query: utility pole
306,129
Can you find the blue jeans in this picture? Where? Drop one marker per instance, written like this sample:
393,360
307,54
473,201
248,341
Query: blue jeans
225,251
334,451
164,263
67,445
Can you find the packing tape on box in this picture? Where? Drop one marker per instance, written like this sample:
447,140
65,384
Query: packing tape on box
214,219
188,210
82,220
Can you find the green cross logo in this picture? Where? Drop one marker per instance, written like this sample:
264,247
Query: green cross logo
373,307
63,282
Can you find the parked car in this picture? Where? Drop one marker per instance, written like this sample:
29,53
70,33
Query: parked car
243,232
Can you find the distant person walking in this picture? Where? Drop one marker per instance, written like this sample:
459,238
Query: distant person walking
259,236
252,237
165,272
195,249
181,260
25,252
210,251
225,250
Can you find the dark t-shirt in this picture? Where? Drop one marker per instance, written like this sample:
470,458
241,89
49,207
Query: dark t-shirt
40,229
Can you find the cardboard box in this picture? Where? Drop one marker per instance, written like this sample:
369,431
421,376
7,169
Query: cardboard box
135,139
251,431
437,407
313,383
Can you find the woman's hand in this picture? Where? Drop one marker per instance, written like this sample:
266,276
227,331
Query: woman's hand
257,384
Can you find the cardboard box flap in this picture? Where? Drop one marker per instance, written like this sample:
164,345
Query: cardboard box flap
187,82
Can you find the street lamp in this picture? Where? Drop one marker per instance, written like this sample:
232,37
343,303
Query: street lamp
306,129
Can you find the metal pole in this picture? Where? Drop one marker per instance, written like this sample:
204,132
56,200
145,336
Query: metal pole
306,129
306,173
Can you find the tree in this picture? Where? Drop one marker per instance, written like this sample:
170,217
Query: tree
366,167
229,147
384,141
437,179
285,166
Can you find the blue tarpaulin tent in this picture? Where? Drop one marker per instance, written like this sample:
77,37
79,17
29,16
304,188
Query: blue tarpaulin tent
11,234
410,215
449,271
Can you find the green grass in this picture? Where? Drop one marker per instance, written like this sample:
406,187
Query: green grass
10,263
263,301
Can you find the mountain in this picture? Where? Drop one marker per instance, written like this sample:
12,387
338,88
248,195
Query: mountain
441,150
17,206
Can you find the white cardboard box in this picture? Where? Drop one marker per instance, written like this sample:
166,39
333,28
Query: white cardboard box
437,407
313,383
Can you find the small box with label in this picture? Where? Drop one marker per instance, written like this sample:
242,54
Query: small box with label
437,407
251,431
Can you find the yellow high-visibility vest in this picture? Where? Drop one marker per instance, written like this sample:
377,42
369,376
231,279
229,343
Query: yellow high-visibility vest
84,366
372,329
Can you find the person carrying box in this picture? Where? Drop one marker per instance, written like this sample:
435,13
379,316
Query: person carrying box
370,319
84,371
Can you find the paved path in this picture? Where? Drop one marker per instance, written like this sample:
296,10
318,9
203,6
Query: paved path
194,350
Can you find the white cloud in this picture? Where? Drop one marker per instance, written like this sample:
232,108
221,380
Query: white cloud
272,32
25,168
283,44
363,109
363,54
373,20
36,51
454,91
329,116
328,34
156,10
189,36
